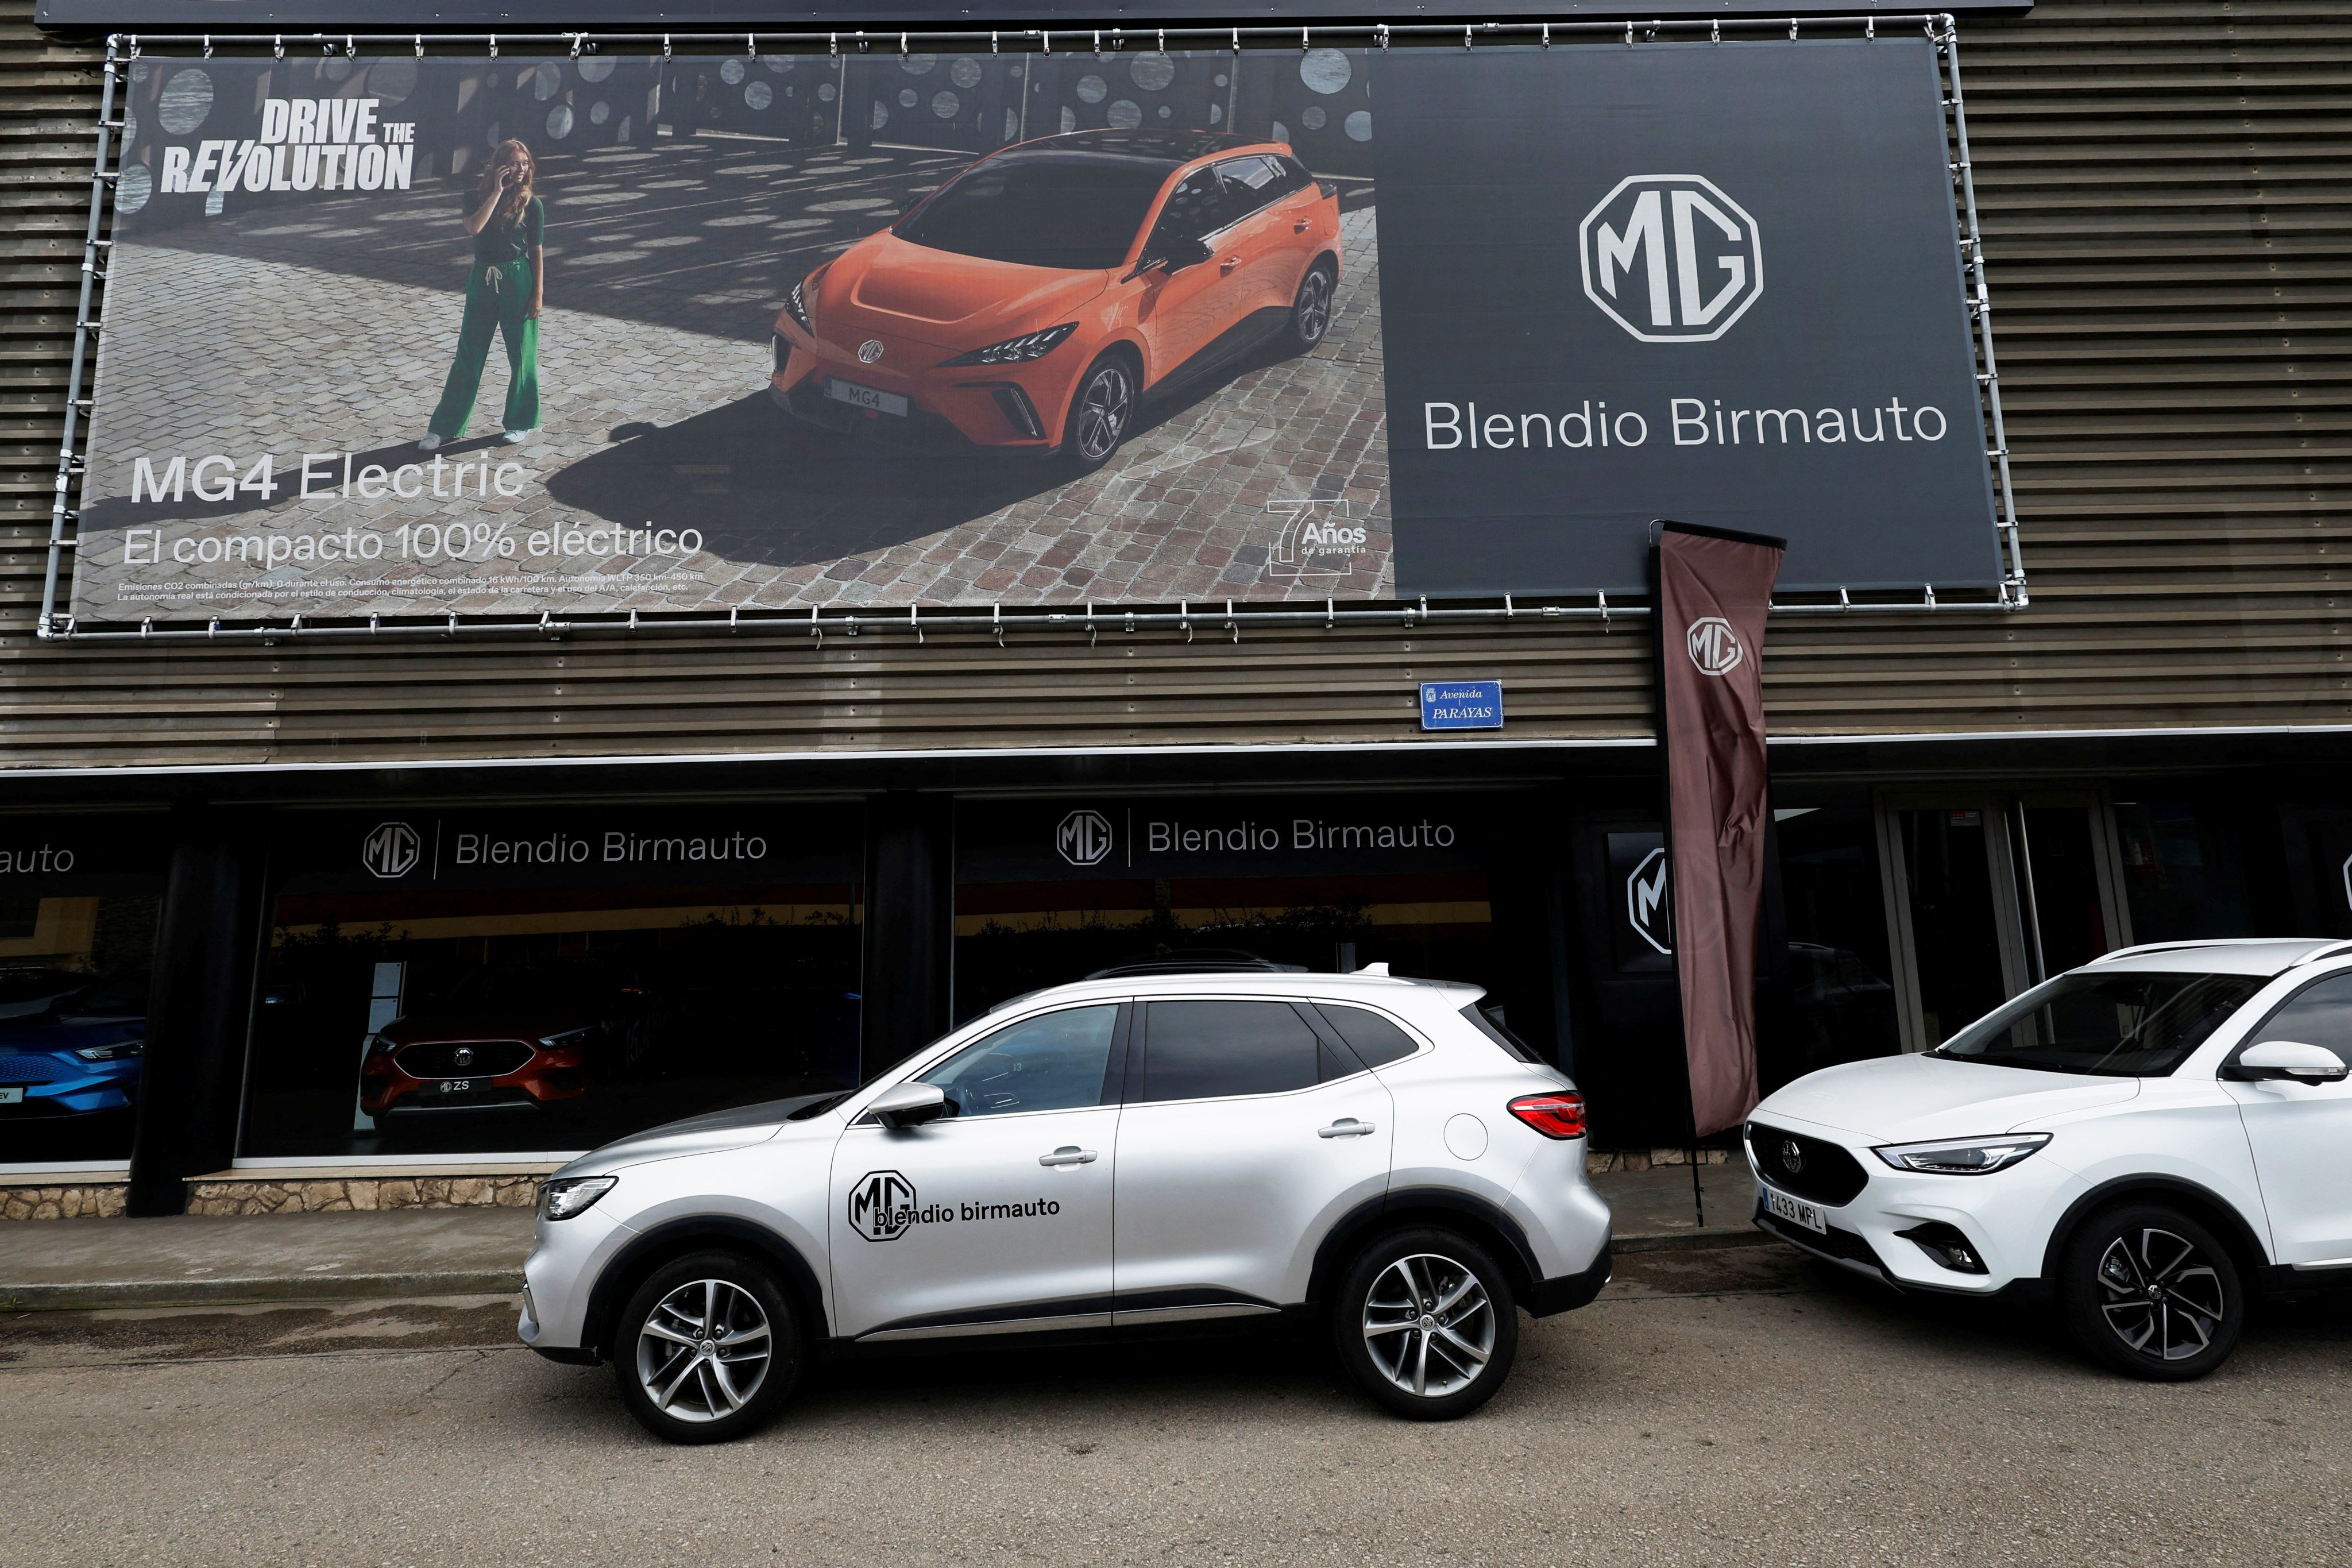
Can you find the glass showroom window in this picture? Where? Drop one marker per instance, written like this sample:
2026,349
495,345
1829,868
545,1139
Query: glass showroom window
530,982
1048,892
79,901
1841,993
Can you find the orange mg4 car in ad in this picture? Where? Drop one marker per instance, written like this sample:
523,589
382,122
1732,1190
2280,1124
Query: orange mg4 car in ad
1034,301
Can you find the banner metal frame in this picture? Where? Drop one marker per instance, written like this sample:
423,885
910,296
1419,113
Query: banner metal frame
1941,29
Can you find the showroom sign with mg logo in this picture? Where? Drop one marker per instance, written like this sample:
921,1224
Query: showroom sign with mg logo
1721,283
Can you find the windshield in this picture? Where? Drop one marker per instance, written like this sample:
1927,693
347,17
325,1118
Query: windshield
1070,211
2119,1025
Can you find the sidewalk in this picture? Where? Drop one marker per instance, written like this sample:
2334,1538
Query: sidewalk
189,1261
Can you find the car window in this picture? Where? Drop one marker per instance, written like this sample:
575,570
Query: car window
1488,1021
1249,184
1071,212
2317,1014
1207,1050
2123,1024
1196,209
1054,1062
1373,1038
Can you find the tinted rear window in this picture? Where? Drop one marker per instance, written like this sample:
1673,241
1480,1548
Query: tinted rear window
1202,1050
1372,1038
1068,211
1490,1024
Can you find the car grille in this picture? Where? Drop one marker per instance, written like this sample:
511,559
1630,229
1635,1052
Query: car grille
1836,1242
38,1069
1817,1168
463,1059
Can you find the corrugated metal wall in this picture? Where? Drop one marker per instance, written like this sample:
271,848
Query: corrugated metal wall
2164,191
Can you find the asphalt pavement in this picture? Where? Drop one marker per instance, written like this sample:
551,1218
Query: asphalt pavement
1718,1406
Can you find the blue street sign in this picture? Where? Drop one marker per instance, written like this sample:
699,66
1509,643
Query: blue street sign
1462,705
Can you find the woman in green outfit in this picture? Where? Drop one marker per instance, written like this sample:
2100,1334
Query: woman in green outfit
505,289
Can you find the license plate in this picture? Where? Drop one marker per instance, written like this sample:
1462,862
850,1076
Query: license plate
12,1097
864,397
1796,1211
453,1086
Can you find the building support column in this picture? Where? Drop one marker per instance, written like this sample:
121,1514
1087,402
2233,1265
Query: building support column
199,1006
910,926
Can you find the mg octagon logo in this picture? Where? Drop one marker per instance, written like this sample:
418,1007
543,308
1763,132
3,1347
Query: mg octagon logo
1650,901
393,849
1671,259
1084,838
882,1205
1714,646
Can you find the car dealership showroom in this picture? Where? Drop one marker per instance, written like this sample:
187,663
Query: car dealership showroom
1184,769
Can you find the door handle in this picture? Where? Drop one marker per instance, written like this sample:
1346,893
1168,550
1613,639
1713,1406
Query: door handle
1067,1154
1299,226
1229,263
1345,1127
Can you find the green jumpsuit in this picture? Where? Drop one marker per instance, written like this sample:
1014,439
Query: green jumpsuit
498,297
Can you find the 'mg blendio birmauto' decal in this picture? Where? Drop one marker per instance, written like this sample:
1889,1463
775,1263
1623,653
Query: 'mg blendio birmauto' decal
883,1207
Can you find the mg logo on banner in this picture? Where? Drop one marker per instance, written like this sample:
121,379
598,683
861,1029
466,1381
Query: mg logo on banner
1671,259
392,849
1714,646
1084,838
1650,901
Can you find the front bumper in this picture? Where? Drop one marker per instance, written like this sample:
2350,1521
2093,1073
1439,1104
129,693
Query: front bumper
1013,410
558,1277
85,1093
2006,1217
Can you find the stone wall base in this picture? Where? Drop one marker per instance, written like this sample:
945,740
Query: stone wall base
1602,1161
95,1200
344,1194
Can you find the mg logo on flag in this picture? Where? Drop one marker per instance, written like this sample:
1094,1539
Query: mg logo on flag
1714,646
1671,259
393,849
1084,838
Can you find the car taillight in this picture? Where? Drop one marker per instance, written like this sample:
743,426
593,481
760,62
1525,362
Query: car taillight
1553,1115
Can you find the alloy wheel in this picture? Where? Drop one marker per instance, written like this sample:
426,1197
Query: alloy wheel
1429,1325
2161,1294
1312,315
704,1350
1103,411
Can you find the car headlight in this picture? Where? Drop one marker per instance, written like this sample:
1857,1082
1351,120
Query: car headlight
1021,350
378,1046
796,303
574,1194
119,1051
1962,1157
568,1038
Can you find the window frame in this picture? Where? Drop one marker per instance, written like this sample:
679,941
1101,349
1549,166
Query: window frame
1423,1043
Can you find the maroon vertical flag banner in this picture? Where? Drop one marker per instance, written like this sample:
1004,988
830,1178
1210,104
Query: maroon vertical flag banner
1715,588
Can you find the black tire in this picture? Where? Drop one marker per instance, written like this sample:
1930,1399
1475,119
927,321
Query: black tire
2152,1293
1439,1349
679,1388
1310,309
1102,412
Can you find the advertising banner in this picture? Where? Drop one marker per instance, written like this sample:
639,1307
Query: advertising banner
576,334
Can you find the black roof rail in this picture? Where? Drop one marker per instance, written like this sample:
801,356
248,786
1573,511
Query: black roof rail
1204,961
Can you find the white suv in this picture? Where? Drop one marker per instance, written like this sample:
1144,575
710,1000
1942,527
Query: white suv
2156,1137
1135,1154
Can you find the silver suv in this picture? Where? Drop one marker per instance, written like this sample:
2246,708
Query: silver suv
1142,1154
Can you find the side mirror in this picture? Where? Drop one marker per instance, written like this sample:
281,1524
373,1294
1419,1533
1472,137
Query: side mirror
2291,1060
1183,253
909,1105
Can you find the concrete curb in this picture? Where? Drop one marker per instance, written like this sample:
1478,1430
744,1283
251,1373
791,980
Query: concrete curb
1689,1241
72,1296
83,1296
